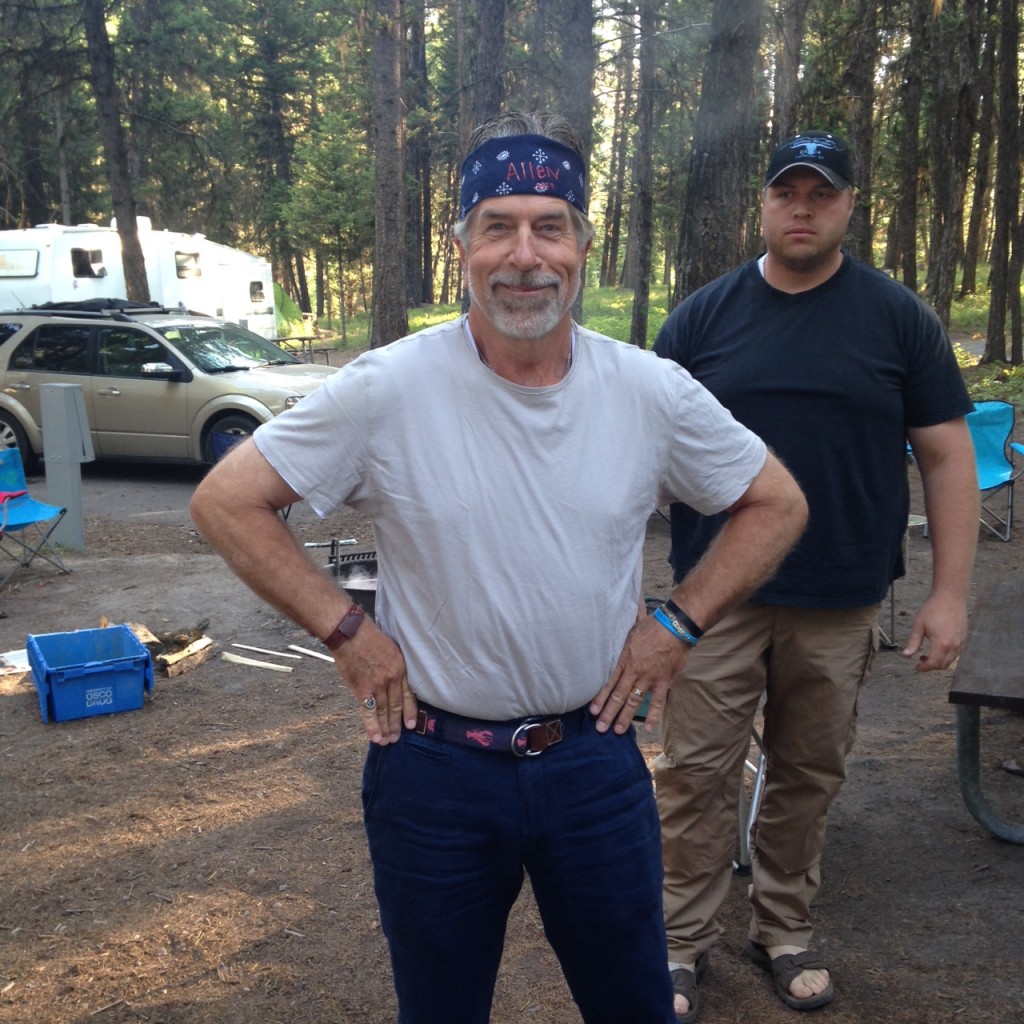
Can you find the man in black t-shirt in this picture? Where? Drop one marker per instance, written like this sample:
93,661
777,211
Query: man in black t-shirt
836,366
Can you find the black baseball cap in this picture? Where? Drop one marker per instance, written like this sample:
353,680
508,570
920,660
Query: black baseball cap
823,152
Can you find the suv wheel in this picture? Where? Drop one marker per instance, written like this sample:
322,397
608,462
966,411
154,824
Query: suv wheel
230,429
12,436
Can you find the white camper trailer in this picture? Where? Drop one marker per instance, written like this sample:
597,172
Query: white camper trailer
57,263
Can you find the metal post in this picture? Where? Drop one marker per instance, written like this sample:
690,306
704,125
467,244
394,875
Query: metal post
67,443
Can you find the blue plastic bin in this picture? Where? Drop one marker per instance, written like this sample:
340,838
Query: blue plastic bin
89,672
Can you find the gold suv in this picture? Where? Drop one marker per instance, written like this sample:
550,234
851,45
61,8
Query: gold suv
158,383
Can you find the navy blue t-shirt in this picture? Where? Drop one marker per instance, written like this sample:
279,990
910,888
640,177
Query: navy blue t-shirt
831,379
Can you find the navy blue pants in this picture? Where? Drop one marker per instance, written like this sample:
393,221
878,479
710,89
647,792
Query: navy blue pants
451,831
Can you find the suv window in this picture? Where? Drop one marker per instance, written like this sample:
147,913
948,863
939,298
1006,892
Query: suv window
223,347
55,348
123,352
7,330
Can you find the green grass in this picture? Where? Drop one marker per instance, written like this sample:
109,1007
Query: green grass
985,381
610,311
605,310
970,315
995,381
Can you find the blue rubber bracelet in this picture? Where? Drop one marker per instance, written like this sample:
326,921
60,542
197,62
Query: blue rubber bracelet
679,634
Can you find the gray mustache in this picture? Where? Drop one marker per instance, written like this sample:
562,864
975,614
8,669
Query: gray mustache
524,280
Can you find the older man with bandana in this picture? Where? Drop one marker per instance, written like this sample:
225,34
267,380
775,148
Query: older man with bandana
509,460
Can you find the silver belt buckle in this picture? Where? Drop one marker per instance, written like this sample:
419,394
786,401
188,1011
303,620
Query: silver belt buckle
525,728
553,733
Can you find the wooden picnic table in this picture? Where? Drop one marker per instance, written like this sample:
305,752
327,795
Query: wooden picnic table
990,674
309,345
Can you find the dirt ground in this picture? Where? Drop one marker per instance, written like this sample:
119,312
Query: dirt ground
202,860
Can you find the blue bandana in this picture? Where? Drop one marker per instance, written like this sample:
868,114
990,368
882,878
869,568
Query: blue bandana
523,165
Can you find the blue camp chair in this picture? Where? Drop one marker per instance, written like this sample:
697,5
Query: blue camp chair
29,523
221,443
991,426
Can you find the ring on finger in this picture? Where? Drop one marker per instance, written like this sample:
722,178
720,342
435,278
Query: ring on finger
370,703
637,692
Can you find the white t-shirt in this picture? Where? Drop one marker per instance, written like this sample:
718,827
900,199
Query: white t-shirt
509,521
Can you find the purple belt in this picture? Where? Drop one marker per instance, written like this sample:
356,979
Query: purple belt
524,737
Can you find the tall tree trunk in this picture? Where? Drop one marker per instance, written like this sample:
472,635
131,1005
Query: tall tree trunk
631,260
983,158
617,172
577,104
1001,285
276,148
909,146
417,151
718,186
792,18
1016,263
320,275
578,57
390,315
642,195
60,99
342,295
528,86
954,52
115,149
1013,275
33,187
305,303
483,91
859,91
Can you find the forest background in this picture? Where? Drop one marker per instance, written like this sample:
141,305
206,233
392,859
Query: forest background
327,135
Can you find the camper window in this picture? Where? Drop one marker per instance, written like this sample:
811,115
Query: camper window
187,264
256,291
88,263
19,263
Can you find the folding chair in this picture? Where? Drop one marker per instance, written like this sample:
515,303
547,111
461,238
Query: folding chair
888,639
755,766
991,426
221,443
28,523
5,496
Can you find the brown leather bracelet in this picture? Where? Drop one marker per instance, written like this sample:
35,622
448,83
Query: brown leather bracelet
346,629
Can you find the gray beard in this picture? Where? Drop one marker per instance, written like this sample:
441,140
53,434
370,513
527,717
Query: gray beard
525,323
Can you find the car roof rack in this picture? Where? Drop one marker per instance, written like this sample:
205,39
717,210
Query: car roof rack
111,309
100,306
97,304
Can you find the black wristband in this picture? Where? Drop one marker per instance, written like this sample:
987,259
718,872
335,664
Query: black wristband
684,619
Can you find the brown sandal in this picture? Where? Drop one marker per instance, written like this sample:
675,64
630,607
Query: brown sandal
685,983
786,969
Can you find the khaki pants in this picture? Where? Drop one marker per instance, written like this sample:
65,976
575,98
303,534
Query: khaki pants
809,664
